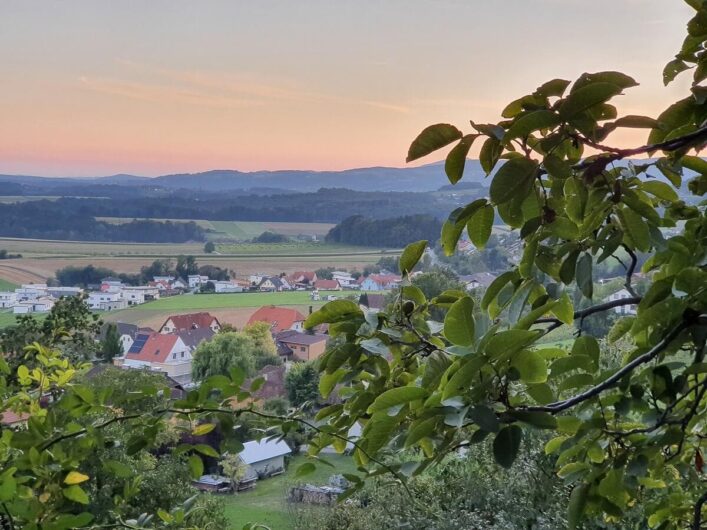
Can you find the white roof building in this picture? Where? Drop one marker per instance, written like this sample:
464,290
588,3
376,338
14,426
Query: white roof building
255,452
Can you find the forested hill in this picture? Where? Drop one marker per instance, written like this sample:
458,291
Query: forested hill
424,178
325,205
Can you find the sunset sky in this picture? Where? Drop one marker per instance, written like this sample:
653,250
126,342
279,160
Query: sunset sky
97,87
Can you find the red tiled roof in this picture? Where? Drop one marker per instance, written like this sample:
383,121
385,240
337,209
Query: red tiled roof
384,279
326,284
305,275
191,321
156,348
11,418
279,318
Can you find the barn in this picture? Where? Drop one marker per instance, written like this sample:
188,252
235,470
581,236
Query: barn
265,457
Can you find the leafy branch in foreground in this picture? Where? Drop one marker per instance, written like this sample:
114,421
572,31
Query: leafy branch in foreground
626,432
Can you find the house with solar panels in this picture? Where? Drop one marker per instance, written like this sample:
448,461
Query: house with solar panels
159,352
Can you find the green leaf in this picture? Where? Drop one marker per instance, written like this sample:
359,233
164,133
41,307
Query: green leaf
637,122
636,228
506,445
564,310
553,88
576,380
420,429
533,121
119,469
411,255
587,97
75,477
584,275
206,450
451,232
432,138
510,341
480,225
335,311
541,420
564,228
305,469
377,431
612,488
76,494
531,365
660,189
397,396
196,466
456,159
513,179
459,322
495,288
485,418
567,269
327,382
575,509
204,428
490,153
587,345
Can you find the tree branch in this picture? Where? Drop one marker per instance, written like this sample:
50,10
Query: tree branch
630,270
688,140
697,518
582,313
559,406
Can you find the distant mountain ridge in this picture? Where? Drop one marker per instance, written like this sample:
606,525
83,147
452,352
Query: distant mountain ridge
423,178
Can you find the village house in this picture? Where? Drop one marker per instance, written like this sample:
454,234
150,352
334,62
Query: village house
227,286
7,299
159,352
628,309
476,280
59,292
23,308
177,323
111,285
106,301
265,457
302,279
345,279
31,291
279,318
126,334
193,337
379,282
372,302
327,285
296,346
43,305
196,280
273,284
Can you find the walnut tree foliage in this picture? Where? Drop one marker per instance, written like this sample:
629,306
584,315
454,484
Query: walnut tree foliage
626,436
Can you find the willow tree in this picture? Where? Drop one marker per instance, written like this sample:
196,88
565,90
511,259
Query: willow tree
624,435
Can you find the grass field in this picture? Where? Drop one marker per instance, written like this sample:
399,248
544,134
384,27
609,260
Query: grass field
7,318
234,309
7,286
266,503
241,230
41,258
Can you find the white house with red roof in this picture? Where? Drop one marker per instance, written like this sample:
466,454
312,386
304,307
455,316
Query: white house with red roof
327,285
159,352
279,318
177,323
379,282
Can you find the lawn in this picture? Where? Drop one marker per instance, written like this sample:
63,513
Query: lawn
294,248
7,318
7,286
266,503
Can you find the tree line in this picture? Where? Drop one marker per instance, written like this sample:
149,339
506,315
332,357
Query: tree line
73,276
395,232
63,222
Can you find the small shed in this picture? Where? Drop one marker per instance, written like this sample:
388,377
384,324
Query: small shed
213,483
265,457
